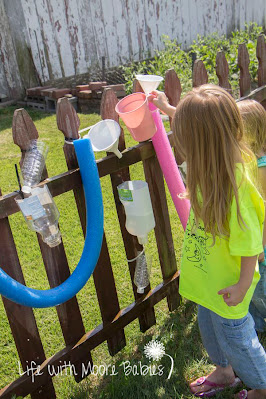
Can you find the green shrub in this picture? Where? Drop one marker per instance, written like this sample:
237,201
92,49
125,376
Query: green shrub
172,56
206,49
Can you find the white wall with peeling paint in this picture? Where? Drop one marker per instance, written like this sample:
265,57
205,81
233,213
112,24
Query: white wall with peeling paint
69,37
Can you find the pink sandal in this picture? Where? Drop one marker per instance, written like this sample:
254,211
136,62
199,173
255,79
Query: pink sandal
214,388
242,394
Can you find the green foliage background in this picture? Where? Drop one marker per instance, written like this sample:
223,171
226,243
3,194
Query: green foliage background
206,49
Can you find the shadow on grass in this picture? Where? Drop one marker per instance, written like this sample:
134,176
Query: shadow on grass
137,377
181,339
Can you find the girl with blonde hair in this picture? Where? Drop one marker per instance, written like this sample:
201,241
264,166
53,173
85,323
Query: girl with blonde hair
254,120
223,238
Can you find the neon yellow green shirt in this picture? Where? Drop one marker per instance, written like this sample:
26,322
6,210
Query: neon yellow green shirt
206,269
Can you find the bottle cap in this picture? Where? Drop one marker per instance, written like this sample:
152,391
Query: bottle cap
26,189
140,290
143,239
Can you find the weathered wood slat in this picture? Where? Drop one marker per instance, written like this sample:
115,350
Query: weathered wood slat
21,318
163,233
103,274
261,55
173,92
199,75
55,260
173,87
137,87
93,338
243,63
222,71
132,247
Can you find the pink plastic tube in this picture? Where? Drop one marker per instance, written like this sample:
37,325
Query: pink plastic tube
169,167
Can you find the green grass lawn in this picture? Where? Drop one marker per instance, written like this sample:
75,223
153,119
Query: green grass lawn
177,330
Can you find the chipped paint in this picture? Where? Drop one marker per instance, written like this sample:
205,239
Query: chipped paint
70,37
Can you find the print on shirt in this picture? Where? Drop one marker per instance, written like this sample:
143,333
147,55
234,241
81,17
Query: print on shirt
196,248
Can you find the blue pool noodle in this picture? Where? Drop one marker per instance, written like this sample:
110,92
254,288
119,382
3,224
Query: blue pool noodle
26,296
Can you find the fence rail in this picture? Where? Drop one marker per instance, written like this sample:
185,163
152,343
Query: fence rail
78,342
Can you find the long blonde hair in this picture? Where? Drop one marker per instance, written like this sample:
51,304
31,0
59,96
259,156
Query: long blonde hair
254,120
208,129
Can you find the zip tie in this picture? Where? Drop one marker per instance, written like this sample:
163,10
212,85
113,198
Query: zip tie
132,260
71,141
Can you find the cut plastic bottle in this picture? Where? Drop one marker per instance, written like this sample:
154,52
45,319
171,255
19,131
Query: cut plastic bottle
41,215
142,271
33,164
135,197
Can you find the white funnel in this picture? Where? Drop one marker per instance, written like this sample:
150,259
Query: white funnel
149,82
104,136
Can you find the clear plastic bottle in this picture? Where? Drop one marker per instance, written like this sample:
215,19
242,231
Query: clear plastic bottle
41,215
142,272
33,164
135,197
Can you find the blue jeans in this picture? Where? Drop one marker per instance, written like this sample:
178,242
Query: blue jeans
235,343
257,306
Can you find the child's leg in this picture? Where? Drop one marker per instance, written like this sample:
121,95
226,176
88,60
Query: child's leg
209,338
239,342
223,374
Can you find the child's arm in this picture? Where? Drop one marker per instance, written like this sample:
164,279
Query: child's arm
160,100
235,294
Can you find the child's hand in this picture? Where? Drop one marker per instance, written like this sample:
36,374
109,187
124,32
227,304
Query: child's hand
261,257
159,99
233,295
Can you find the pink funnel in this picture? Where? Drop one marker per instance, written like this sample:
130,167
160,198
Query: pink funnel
134,110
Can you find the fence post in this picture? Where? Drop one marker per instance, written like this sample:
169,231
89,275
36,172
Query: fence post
199,75
21,318
132,247
243,63
55,260
163,234
173,91
103,274
261,55
137,87
222,71
172,88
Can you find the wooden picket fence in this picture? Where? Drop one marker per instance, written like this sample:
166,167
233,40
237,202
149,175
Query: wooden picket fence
79,343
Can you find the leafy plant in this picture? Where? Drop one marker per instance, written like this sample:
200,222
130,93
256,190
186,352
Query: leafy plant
172,56
206,49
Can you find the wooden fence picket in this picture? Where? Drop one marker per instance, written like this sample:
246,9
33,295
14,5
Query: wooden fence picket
132,247
103,274
261,55
243,63
172,87
21,318
199,74
163,233
222,71
173,92
55,260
